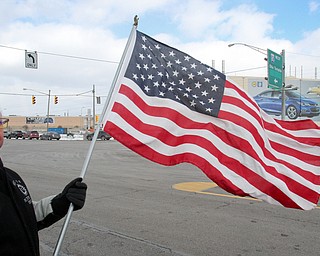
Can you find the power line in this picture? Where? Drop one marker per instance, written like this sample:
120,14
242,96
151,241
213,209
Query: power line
62,55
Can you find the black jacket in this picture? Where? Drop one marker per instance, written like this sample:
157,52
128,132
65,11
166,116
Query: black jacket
20,218
18,224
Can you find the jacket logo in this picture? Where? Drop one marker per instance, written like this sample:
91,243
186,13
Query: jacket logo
22,189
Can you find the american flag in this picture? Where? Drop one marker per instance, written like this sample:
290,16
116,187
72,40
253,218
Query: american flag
171,108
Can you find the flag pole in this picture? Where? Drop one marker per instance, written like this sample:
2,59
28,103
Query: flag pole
95,136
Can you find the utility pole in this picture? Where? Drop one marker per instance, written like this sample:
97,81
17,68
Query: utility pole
93,107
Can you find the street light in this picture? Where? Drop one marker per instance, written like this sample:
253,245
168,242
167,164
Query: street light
48,109
263,51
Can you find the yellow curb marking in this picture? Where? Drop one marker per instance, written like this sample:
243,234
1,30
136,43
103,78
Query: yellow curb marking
200,187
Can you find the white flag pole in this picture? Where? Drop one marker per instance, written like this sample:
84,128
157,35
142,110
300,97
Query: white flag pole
95,136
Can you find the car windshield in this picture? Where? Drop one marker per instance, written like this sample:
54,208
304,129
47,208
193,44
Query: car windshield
292,94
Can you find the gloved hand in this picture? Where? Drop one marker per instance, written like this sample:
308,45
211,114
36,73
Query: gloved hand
74,192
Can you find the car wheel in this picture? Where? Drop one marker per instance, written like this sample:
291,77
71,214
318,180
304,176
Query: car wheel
89,138
103,138
292,112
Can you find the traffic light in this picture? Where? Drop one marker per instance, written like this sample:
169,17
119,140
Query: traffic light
33,99
55,99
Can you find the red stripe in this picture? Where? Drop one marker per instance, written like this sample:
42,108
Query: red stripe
298,125
306,140
289,125
212,172
229,162
291,183
186,123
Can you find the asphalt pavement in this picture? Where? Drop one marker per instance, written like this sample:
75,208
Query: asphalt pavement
135,207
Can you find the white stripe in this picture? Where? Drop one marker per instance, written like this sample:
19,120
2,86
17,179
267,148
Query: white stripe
167,150
237,154
305,133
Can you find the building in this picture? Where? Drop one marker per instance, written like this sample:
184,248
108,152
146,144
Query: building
253,85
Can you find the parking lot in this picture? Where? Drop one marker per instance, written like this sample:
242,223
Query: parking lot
136,207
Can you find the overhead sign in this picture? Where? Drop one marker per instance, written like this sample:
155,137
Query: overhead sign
31,59
275,69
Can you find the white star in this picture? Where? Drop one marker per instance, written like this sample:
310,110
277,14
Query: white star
182,82
138,66
145,66
188,89
177,97
156,84
195,96
135,77
160,74
144,38
209,69
178,61
214,88
149,56
161,94
173,83
141,56
204,93
144,47
163,84
146,88
211,100
142,77
154,66
157,46
209,110
192,103
169,64
184,68
171,53
200,73
198,85
207,80
150,77
187,58
162,55
191,76
193,65
175,73
216,77
186,95
170,88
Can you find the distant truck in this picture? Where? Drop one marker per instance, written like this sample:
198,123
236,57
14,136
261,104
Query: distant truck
58,130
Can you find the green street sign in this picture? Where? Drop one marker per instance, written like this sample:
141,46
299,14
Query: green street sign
275,69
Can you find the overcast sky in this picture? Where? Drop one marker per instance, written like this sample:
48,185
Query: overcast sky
80,43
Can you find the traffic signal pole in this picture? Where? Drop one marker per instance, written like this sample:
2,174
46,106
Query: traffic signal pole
283,95
48,109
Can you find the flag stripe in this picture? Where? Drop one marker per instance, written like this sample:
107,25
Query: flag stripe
304,131
223,176
184,123
304,191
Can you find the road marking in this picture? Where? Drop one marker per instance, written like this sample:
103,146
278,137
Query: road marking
200,187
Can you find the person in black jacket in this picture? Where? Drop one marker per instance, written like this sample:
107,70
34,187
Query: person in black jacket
21,218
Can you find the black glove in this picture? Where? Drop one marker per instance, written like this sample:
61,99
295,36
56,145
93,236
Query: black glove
74,192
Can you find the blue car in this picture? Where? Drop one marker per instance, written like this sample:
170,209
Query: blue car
296,104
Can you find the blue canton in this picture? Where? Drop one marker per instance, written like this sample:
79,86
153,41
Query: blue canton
165,72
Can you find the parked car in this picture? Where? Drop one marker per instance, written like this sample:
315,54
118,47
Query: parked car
31,135
15,134
102,136
50,136
6,134
296,104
